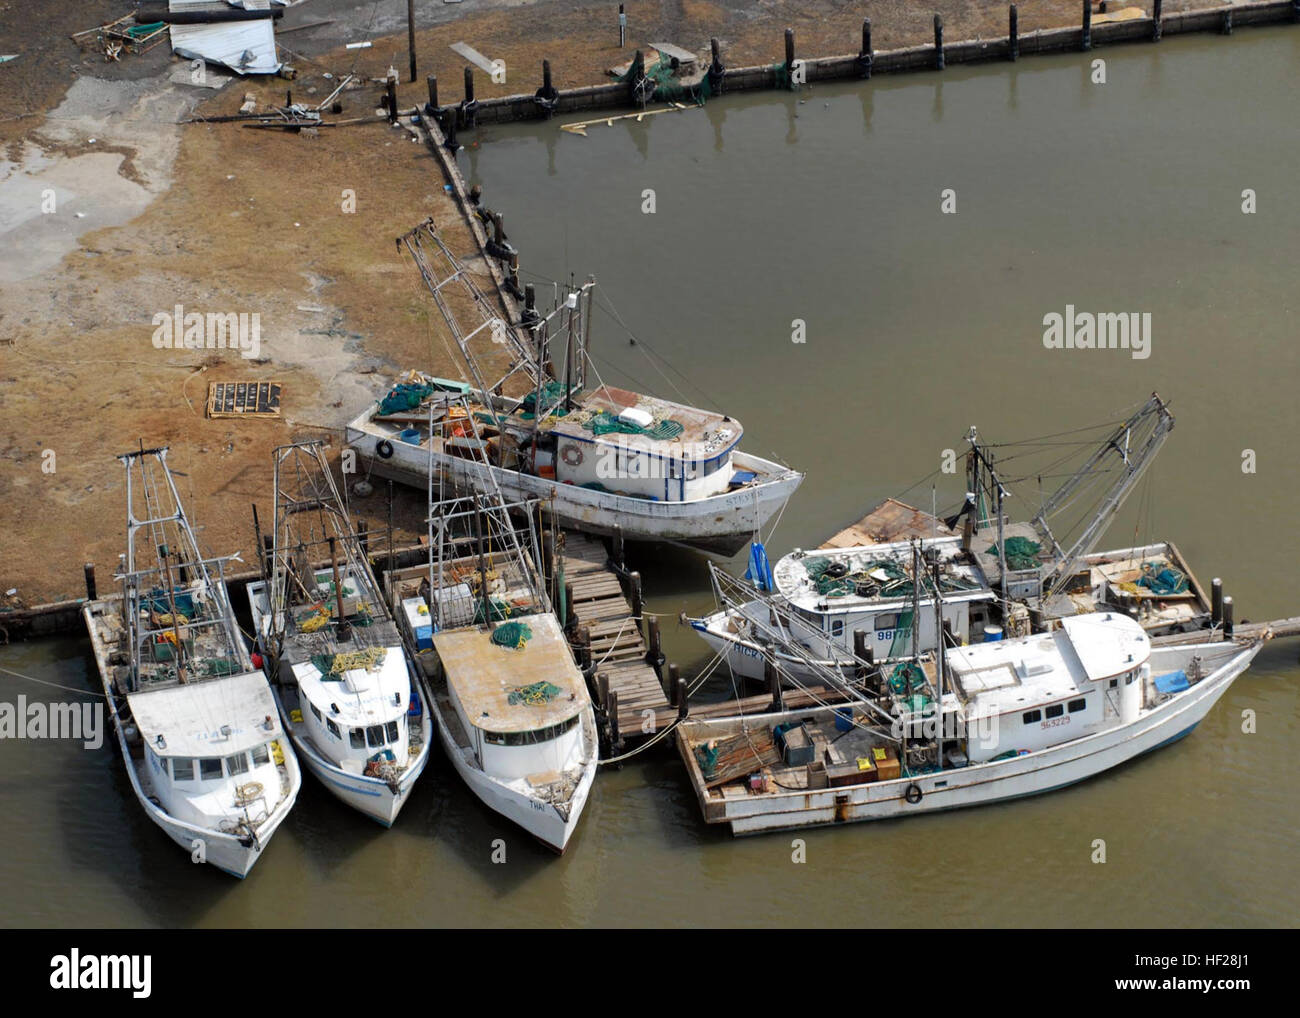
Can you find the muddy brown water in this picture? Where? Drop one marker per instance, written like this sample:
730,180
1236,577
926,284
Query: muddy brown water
1119,197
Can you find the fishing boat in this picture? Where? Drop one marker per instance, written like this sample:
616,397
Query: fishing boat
859,593
968,726
196,723
347,694
513,710
605,458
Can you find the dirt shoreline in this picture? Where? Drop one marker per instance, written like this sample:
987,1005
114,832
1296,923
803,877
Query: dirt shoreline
214,217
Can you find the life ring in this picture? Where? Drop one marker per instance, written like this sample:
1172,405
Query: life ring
572,455
247,794
384,448
913,794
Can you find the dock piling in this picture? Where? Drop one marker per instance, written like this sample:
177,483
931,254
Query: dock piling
1155,19
602,690
618,544
670,685
789,48
716,67
1227,617
1216,601
1085,42
654,655
864,52
584,649
392,101
1013,32
1225,26
468,106
611,717
432,81
91,589
410,33
682,698
634,581
774,685
938,41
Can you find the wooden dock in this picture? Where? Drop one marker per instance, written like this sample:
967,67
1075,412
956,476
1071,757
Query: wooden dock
605,611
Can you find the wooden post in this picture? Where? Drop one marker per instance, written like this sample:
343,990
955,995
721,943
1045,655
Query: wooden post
1013,32
467,106
363,537
682,698
392,101
513,281
567,606
1085,43
410,33
91,589
618,543
789,48
447,121
611,715
716,67
774,685
1216,601
498,229
938,41
654,656
1225,26
634,581
584,648
670,685
1227,617
1155,19
432,82
602,690
547,89
865,57
622,27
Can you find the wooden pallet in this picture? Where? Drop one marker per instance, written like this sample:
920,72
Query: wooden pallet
244,399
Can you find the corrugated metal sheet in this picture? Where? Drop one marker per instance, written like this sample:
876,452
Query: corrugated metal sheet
246,47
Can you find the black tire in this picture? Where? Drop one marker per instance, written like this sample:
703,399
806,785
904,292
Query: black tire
384,449
913,794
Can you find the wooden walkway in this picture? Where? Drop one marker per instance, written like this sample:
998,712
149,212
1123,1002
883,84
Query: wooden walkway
618,650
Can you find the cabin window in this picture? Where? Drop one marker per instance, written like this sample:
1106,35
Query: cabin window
1077,705
530,738
261,755
886,621
357,736
210,768
1031,716
315,710
837,627
1055,711
391,729
182,770
237,764
375,735
1114,683
334,729
1128,679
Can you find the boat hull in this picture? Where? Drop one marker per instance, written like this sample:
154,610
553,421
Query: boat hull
542,820
373,797
1034,773
720,525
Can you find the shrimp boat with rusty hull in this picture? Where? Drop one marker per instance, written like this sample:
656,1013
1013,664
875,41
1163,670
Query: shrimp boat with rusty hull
348,695
605,458
513,710
967,726
196,723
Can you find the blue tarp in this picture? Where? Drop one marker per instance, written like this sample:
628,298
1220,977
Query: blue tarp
1174,682
759,572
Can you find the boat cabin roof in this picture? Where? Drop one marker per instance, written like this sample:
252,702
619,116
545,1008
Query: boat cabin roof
215,717
708,433
487,677
377,687
1013,675
869,577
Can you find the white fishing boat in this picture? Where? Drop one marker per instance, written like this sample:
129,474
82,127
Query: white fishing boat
196,724
348,696
603,457
1018,717
860,599
514,714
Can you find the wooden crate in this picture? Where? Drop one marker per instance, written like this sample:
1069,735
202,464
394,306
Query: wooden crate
244,399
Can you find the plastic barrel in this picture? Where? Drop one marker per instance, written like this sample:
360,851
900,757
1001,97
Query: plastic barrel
843,719
992,634
411,436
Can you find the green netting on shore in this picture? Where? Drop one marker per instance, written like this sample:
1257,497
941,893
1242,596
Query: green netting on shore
1022,553
605,423
667,88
